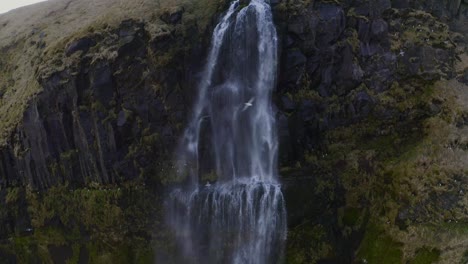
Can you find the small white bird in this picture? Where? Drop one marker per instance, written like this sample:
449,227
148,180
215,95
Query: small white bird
248,104
208,184
402,53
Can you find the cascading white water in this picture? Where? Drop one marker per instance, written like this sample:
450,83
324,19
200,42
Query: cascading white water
242,217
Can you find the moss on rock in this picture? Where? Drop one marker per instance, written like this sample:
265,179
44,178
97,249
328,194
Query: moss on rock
97,224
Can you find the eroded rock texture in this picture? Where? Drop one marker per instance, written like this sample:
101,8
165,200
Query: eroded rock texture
103,120
351,132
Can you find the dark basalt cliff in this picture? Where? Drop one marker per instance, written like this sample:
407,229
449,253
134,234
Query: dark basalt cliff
110,107
101,120
371,103
370,132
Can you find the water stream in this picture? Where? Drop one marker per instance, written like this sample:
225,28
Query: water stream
240,218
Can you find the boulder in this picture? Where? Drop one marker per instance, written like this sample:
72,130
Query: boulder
83,44
173,16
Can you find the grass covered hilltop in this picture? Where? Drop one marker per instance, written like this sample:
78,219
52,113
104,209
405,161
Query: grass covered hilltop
372,101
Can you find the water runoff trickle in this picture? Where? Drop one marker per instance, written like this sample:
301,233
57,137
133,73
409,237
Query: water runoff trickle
240,218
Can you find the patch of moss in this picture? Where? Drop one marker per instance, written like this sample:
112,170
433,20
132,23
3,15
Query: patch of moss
98,223
209,177
425,256
306,93
460,228
421,28
69,155
242,5
13,195
352,13
464,259
378,247
351,216
307,243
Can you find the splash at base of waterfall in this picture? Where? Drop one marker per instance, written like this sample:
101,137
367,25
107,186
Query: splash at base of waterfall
240,222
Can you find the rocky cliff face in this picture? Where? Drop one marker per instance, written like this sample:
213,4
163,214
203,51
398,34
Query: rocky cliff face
98,123
369,124
98,119
339,58
109,104
372,117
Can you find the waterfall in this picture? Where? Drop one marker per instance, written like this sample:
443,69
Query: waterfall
240,218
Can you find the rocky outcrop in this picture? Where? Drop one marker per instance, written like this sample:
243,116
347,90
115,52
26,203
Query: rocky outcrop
103,103
111,116
349,71
354,52
94,145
